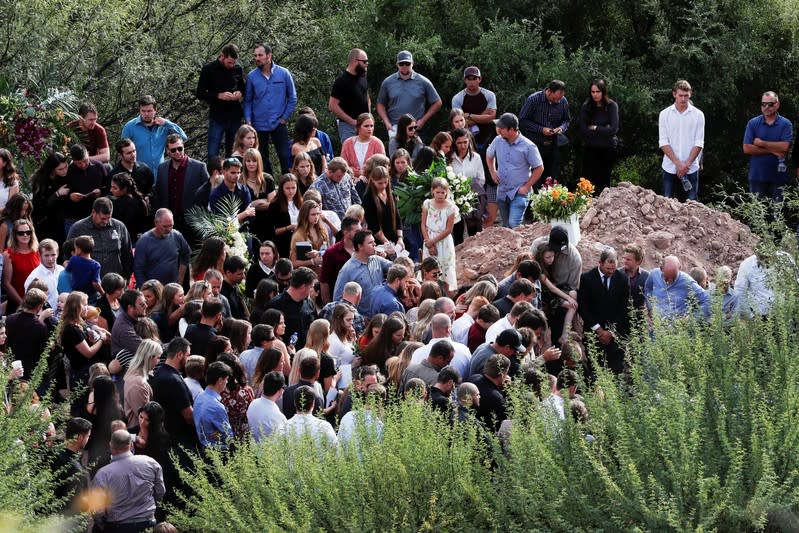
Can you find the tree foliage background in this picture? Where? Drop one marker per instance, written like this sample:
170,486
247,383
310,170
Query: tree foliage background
111,52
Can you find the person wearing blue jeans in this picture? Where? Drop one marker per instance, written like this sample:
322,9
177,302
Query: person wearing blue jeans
681,138
269,100
673,184
520,167
221,85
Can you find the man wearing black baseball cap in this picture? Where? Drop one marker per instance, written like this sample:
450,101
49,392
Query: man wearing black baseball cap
508,343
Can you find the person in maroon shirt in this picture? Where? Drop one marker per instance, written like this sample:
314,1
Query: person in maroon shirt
177,181
486,316
338,254
91,134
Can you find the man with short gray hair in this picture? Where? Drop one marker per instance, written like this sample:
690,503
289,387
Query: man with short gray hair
162,253
132,485
441,329
352,297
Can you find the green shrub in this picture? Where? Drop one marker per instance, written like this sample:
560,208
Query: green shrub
703,437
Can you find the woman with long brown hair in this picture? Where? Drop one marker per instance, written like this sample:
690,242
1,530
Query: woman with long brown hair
284,212
382,215
310,229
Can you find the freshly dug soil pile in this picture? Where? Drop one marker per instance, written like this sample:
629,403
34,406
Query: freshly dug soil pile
697,234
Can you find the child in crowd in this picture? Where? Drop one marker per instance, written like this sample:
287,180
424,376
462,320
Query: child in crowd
439,215
560,298
195,370
85,271
400,166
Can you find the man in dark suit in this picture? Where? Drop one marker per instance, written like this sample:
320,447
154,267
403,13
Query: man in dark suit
177,181
631,259
602,303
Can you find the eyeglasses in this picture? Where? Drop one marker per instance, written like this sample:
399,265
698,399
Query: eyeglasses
175,149
24,233
364,61
404,63
412,128
768,104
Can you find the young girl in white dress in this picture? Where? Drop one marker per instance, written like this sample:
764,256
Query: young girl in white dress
439,215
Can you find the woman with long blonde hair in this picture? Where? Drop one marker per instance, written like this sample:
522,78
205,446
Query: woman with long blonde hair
137,388
318,341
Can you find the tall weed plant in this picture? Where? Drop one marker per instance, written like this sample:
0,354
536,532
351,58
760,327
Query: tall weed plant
703,436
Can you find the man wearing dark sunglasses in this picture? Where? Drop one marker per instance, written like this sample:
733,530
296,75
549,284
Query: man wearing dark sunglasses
177,181
406,92
766,140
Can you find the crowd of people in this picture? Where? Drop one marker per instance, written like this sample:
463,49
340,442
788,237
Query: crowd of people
165,342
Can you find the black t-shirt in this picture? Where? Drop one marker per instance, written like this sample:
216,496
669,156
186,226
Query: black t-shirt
200,336
298,316
171,392
71,337
327,367
27,339
70,477
352,93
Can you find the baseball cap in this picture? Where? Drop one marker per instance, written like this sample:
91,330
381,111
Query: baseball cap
512,338
471,71
507,121
404,56
558,239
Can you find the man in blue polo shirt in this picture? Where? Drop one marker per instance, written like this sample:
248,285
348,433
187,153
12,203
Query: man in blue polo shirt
766,140
520,167
269,100
406,92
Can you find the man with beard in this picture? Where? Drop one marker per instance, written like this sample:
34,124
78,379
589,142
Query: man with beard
142,174
221,84
91,134
386,298
350,94
150,131
269,101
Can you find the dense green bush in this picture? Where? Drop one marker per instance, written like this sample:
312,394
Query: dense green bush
731,51
704,437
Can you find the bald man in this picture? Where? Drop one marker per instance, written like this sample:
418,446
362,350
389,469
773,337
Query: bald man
671,292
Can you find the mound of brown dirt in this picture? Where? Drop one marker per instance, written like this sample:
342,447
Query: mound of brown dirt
697,234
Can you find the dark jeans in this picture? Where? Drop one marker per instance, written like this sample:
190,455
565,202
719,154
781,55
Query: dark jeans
216,130
280,137
550,155
412,234
133,527
672,186
763,189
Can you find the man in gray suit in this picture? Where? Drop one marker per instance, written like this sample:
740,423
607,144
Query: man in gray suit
177,181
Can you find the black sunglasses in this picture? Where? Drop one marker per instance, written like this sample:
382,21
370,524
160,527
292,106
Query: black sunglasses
404,63
768,104
21,233
175,149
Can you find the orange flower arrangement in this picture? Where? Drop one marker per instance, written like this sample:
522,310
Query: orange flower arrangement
555,201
